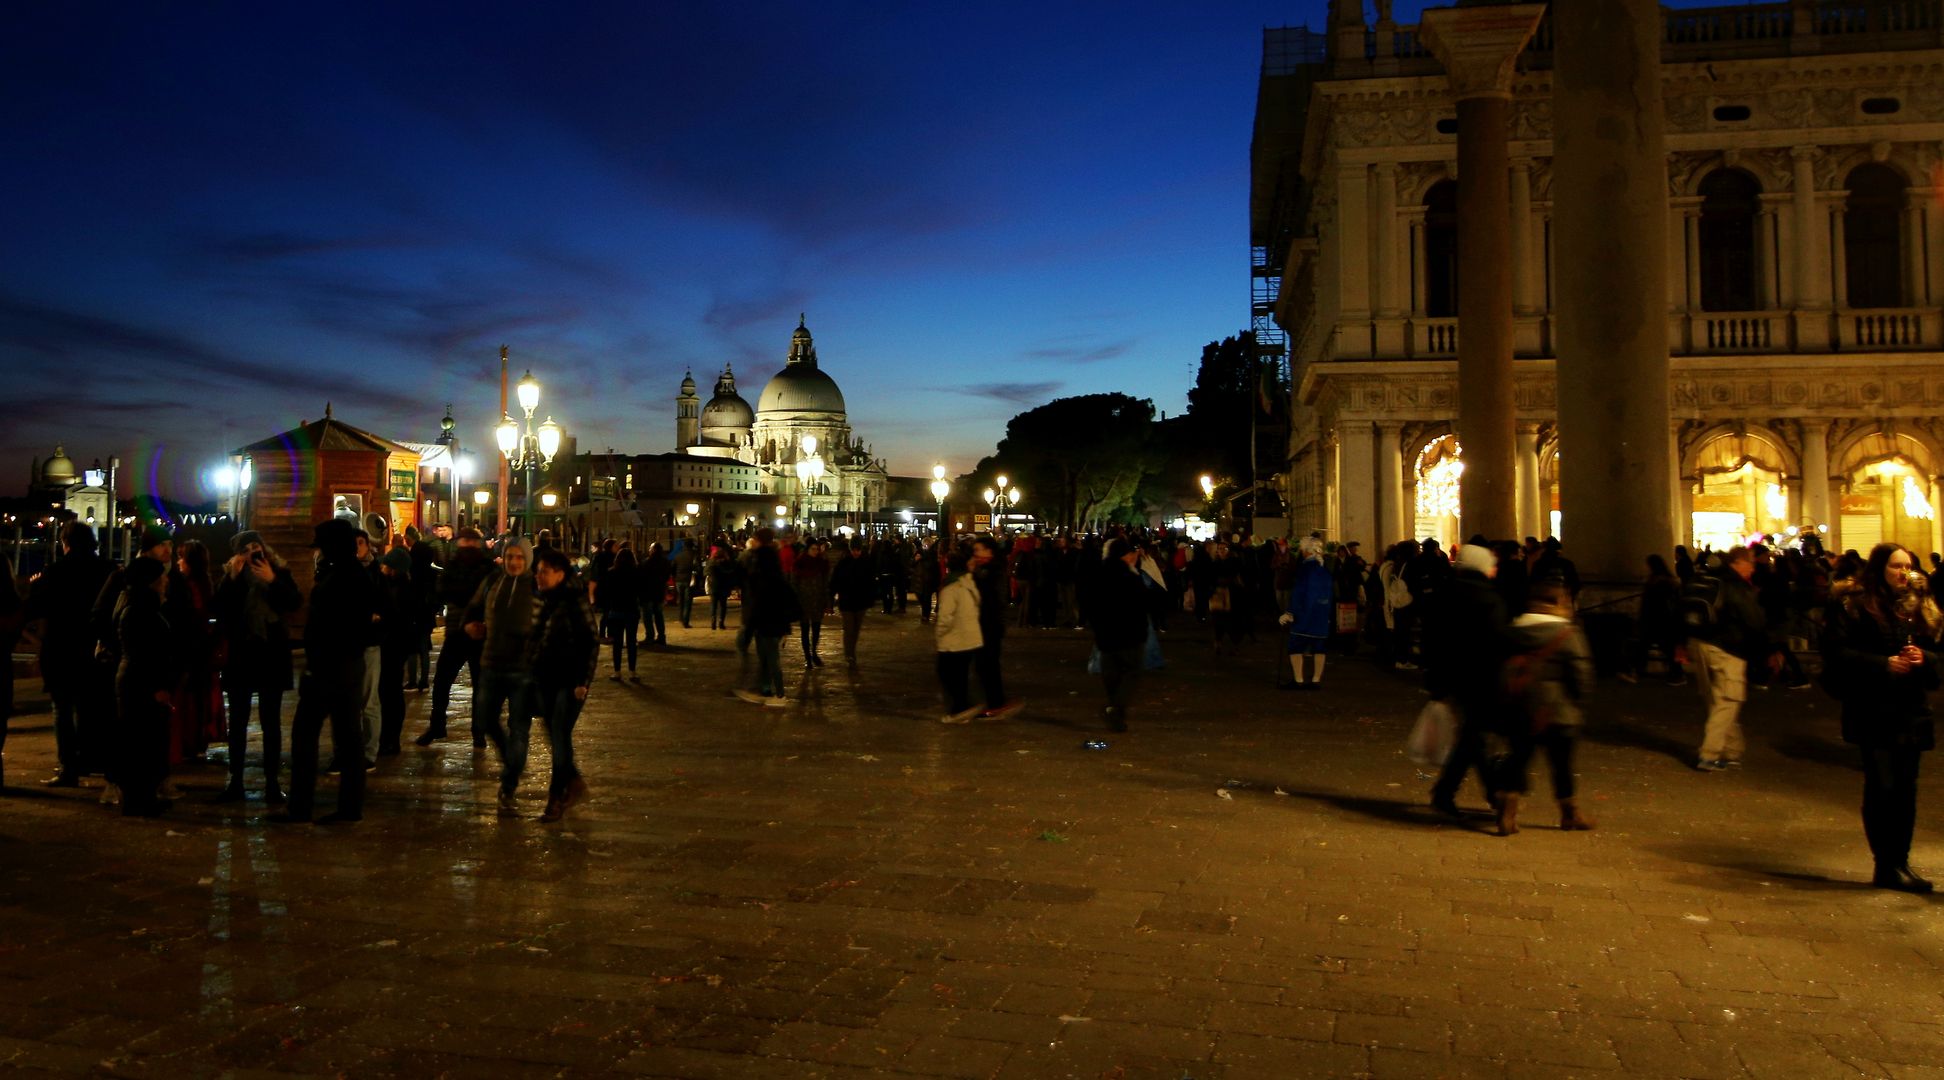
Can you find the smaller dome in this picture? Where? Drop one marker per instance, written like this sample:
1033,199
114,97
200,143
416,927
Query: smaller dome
727,409
688,384
59,469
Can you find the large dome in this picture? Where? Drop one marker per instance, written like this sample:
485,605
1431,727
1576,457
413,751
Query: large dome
801,388
727,409
59,470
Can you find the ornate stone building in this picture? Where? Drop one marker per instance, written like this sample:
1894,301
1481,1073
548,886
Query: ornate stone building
1805,246
798,418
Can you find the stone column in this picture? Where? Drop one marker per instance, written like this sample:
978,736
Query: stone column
1394,515
1353,240
1383,176
1691,247
1477,46
1934,244
1418,275
1815,470
1356,487
1837,243
1765,260
1811,255
1913,294
1521,232
1534,514
1610,198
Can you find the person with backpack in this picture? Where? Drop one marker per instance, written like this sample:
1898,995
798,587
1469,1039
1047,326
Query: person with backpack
1548,674
1726,631
1880,659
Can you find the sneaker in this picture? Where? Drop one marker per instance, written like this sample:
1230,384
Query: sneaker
1729,763
751,696
507,807
1710,765
959,717
777,702
110,795
556,809
1628,677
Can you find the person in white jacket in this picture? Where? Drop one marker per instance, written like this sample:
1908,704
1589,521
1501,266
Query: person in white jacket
958,638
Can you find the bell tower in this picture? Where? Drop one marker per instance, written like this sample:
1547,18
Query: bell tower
688,415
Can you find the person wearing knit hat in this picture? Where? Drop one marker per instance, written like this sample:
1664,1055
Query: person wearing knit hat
1466,643
253,598
500,617
342,604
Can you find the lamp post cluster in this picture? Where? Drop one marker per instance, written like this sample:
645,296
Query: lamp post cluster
526,448
940,487
810,471
1001,499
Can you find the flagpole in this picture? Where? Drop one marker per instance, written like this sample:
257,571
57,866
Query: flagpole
502,457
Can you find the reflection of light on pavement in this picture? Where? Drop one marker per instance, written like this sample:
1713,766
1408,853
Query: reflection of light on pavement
218,979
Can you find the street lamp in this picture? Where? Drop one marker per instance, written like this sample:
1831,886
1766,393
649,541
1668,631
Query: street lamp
527,449
940,488
692,510
809,470
480,498
1208,487
1001,500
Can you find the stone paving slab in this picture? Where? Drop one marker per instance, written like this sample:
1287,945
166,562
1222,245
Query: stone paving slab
1246,885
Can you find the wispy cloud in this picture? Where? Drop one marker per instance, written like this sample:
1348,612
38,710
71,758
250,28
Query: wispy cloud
1081,354
263,247
1024,394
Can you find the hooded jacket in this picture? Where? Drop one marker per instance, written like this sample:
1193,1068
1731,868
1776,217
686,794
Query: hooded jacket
956,629
1563,677
507,605
1857,645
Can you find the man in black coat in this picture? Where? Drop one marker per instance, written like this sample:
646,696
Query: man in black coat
255,596
64,596
425,589
342,606
1466,642
1120,625
458,580
989,574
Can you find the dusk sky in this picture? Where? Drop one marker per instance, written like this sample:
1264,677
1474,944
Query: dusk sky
220,216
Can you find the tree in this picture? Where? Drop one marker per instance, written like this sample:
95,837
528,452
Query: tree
1077,459
1227,387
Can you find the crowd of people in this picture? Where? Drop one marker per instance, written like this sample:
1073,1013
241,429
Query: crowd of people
141,660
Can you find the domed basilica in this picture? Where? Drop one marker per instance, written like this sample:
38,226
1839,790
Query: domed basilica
799,417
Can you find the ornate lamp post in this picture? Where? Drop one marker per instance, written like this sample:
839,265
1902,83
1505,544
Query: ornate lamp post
809,470
940,487
527,449
1001,500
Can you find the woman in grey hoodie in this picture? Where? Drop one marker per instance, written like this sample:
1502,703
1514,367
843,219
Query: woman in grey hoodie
1548,674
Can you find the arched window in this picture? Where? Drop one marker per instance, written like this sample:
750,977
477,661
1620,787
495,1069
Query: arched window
1872,237
1441,250
1730,205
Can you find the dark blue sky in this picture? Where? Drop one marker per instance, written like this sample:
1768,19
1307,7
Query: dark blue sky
218,216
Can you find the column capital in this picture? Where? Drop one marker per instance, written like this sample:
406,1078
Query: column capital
1805,153
1478,45
1814,423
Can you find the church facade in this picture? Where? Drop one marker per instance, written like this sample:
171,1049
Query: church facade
799,419
1805,246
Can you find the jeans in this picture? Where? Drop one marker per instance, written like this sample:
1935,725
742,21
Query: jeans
986,662
456,652
373,718
953,669
769,665
656,620
719,610
853,625
332,694
622,627
392,659
1559,744
1890,802
685,601
810,632
270,720
561,710
499,689
1120,671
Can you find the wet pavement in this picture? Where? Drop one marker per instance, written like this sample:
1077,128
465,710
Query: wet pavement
1248,884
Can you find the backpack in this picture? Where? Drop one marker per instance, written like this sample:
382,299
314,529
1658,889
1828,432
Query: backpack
1700,605
1522,671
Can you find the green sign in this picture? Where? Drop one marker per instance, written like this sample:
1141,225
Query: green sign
404,485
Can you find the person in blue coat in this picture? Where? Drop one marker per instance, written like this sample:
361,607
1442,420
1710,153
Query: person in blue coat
1312,603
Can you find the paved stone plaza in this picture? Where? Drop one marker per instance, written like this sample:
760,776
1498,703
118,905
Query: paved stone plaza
1246,885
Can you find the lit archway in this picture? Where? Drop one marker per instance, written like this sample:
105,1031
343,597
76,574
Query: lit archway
1888,494
1743,490
1439,465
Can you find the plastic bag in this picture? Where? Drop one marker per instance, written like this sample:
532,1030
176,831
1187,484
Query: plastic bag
1434,735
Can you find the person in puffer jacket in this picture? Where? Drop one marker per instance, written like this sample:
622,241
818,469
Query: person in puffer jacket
562,654
957,636
1547,675
500,617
